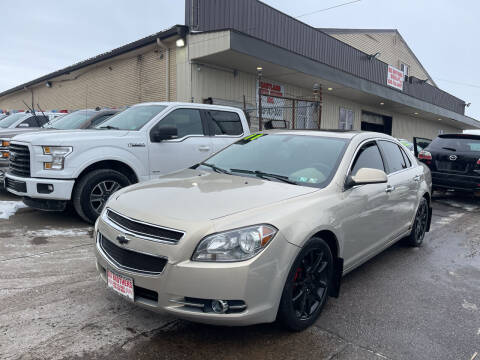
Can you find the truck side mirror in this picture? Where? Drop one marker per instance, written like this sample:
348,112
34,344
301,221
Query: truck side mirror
163,133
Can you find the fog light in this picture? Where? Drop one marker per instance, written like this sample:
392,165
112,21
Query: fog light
219,306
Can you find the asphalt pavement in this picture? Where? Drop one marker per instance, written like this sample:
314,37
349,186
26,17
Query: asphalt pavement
403,304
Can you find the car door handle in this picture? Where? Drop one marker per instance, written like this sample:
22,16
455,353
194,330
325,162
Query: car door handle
417,178
204,148
389,189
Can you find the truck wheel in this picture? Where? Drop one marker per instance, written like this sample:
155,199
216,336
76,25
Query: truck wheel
93,190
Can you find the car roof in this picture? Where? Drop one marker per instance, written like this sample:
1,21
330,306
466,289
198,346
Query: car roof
190,104
343,134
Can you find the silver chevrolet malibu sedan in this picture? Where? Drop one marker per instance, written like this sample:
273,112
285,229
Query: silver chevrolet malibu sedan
265,229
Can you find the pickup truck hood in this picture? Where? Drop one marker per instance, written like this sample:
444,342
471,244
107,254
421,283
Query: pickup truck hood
9,133
194,196
69,137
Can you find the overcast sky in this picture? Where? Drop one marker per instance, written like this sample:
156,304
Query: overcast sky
39,37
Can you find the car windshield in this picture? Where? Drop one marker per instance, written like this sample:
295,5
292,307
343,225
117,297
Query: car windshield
10,120
133,118
299,159
71,121
460,143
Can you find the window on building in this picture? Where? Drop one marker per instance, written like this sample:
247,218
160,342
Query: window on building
405,68
393,155
368,157
224,123
187,122
345,121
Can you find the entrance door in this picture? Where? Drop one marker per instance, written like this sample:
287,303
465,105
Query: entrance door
376,122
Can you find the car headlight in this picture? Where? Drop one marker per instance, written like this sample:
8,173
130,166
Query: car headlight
58,153
234,245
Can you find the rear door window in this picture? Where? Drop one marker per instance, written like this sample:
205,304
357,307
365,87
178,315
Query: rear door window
224,123
368,157
393,156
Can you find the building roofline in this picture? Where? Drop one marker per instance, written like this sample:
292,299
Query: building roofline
179,30
330,31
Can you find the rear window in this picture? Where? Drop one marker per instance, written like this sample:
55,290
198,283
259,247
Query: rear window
460,143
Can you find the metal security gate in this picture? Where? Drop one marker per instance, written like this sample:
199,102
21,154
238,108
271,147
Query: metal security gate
289,113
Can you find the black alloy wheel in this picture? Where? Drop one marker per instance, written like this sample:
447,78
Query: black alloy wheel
420,225
307,287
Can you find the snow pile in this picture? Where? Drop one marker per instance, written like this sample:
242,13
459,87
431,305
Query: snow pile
9,208
49,232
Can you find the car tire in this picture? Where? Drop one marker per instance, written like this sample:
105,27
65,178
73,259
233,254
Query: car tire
420,225
307,286
93,190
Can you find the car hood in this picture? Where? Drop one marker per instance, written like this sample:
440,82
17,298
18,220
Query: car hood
9,133
69,137
195,196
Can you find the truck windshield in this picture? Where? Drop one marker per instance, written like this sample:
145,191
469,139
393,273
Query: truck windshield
71,121
460,143
297,159
10,120
133,118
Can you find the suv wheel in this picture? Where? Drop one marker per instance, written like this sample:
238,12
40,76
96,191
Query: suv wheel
307,287
93,190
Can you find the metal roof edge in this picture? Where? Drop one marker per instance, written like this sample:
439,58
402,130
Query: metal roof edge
174,30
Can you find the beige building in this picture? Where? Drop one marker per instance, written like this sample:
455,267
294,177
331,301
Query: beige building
308,78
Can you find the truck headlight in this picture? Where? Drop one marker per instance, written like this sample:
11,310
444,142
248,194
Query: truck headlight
234,245
58,153
5,143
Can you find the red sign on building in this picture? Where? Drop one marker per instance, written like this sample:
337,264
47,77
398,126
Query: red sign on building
395,78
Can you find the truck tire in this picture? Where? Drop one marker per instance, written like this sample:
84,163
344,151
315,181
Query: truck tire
93,190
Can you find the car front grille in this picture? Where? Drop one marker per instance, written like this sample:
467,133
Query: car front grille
131,260
18,186
143,229
19,160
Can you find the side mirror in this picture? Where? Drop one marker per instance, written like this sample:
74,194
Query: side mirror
163,133
366,176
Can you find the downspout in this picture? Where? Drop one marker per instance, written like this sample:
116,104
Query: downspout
167,64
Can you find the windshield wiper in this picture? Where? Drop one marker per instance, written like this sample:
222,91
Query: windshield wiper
449,148
109,127
265,175
216,168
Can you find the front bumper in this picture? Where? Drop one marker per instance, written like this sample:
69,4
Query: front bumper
62,189
258,282
455,182
3,171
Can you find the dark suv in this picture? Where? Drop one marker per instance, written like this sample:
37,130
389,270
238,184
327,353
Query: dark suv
454,161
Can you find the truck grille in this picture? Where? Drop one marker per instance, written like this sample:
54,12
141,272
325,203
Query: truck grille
143,229
131,260
19,160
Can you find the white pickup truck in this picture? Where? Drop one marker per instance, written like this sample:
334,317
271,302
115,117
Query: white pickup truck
49,169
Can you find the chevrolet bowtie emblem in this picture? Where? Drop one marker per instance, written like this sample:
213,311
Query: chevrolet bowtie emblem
122,240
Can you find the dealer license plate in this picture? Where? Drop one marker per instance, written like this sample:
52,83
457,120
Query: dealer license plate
120,284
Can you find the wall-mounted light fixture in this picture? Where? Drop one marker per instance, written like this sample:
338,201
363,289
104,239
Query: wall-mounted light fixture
382,103
180,42
373,56
48,84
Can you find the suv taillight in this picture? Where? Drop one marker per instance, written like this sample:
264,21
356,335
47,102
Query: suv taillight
478,162
425,155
